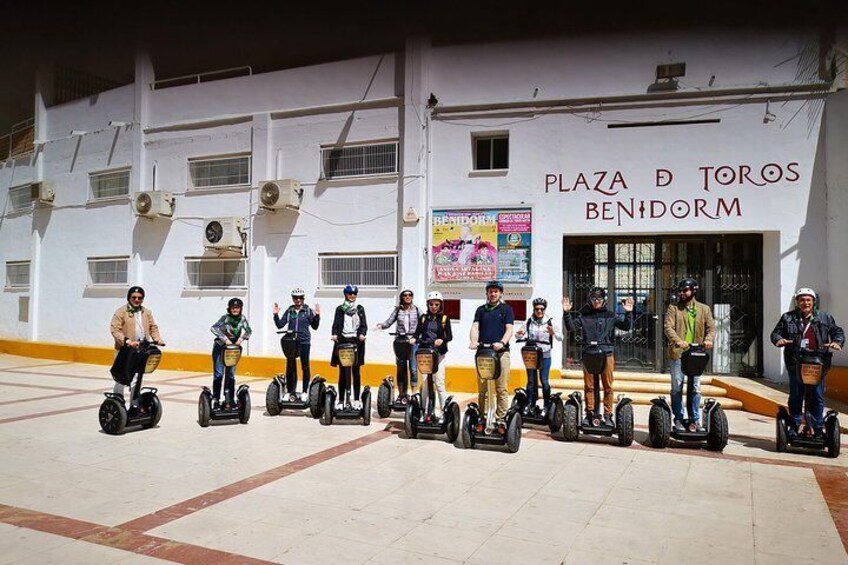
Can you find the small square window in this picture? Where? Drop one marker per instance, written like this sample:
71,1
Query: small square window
215,273
108,271
109,184
17,274
219,172
491,152
20,197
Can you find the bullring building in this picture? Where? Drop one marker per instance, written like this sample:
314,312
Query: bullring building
553,165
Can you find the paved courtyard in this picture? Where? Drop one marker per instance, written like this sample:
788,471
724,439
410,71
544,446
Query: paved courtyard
286,490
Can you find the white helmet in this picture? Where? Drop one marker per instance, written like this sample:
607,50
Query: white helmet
434,295
805,291
297,291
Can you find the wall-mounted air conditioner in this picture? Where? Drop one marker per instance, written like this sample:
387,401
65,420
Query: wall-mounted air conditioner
152,204
276,194
223,233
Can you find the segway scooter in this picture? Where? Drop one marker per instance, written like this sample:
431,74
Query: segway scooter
347,359
595,361
811,365
479,428
387,402
550,416
232,408
420,415
277,397
145,410
714,429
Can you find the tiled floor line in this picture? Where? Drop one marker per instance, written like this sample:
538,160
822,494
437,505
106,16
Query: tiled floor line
197,503
117,538
106,378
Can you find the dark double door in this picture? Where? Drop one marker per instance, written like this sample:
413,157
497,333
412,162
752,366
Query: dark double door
729,269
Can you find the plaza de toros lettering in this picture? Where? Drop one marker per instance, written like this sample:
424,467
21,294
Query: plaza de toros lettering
613,201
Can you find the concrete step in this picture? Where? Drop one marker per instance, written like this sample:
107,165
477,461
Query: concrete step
644,398
631,376
638,386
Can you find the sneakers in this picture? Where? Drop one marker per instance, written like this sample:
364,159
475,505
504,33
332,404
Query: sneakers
340,405
216,404
586,422
678,426
608,420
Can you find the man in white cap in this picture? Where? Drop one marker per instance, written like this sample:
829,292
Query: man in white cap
806,327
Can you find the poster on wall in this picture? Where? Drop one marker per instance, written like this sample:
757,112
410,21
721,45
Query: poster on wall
480,245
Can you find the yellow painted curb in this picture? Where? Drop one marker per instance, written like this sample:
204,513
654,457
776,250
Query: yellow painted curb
457,378
751,402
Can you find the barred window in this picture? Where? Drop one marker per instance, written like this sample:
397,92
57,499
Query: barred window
214,273
109,184
17,274
219,171
491,152
108,271
359,160
374,270
20,197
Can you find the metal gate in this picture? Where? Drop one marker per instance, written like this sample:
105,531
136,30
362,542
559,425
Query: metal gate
647,269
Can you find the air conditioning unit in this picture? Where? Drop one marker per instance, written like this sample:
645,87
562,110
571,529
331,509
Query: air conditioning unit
222,233
154,203
276,194
41,192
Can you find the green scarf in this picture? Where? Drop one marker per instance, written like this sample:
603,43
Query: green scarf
131,310
346,306
489,307
234,323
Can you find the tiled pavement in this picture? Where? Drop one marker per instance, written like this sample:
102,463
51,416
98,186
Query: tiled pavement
287,490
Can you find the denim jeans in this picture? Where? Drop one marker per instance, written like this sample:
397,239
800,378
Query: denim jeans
220,369
815,405
693,393
291,370
532,383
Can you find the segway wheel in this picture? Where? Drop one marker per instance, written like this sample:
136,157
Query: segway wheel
780,436
659,427
834,439
624,423
513,433
244,407
317,394
717,438
467,432
569,422
155,408
366,409
272,398
555,416
410,422
453,423
384,401
113,417
204,411
326,417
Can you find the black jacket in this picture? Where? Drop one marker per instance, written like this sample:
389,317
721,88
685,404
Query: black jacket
338,326
791,326
443,331
597,325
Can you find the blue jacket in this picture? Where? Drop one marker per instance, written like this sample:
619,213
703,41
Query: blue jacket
299,321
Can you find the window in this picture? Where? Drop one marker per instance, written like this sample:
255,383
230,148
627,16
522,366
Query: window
20,197
109,184
359,160
377,270
491,152
107,271
17,274
452,308
219,171
519,309
214,273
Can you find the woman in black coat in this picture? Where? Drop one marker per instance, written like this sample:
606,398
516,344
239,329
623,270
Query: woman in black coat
349,326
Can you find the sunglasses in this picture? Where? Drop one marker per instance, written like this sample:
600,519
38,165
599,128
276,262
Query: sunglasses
297,298
542,308
136,297
406,295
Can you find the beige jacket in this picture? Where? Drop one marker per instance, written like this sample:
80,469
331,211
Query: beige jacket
123,326
675,326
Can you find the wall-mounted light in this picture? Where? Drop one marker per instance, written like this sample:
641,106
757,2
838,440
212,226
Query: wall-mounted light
768,116
77,132
117,124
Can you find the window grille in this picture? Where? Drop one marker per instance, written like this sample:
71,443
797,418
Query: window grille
369,271
359,160
17,274
219,171
214,273
111,184
20,197
108,271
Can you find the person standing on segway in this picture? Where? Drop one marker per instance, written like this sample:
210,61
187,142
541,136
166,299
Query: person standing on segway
434,330
806,327
349,326
299,318
543,332
131,324
597,324
493,323
405,315
230,329
686,322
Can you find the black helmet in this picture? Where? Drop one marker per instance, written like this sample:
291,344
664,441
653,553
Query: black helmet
234,303
688,282
133,290
597,291
540,302
494,284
